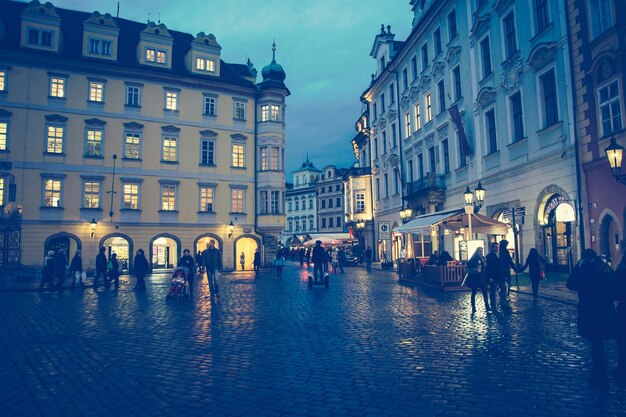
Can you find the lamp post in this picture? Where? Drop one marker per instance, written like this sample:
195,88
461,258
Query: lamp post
231,229
614,154
93,223
405,214
473,203
112,192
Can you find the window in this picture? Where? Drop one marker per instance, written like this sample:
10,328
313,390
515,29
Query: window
298,225
405,80
131,196
170,153
54,139
407,125
274,152
446,156
155,56
265,113
396,185
330,223
509,35
4,129
392,95
324,223
486,57
432,159
386,183
377,188
414,68
91,191
133,95
550,105
290,225
100,47
205,64
360,202
517,116
40,37
171,100
452,28
168,197
52,192
338,202
3,80
424,56
298,205
238,157
206,198
409,165
330,203
601,16
209,105
375,148
338,224
310,206
240,110
382,103
462,159
150,55
429,109
274,113
93,143
236,198
1,191
310,224
303,225
382,63
275,202
207,152
418,117
96,91
265,159
57,87
541,14
420,165
458,92
442,96
610,108
437,39
394,139
264,203
490,126
384,143
290,205
323,204
132,146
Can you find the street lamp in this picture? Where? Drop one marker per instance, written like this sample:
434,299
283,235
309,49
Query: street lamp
231,229
93,223
473,202
406,214
614,155
360,224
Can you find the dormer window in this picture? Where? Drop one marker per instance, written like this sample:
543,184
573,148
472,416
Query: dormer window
100,47
155,46
100,36
204,64
156,56
37,37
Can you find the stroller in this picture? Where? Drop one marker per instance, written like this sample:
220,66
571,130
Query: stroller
179,288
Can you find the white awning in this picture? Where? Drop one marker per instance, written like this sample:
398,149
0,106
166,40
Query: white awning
425,221
454,220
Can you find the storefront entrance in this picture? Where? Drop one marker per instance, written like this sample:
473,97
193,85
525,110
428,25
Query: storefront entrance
557,236
247,246
609,239
121,247
165,251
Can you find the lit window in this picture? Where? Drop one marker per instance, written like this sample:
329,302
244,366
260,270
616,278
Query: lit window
204,64
407,125
160,57
132,146
274,159
238,155
237,200
3,80
207,152
131,196
209,106
1,191
610,109
274,113
133,95
170,148
265,159
96,91
171,100
418,117
52,193
264,202
240,110
265,113
92,194
4,128
150,55
429,109
57,87
206,199
54,139
168,197
93,146
275,202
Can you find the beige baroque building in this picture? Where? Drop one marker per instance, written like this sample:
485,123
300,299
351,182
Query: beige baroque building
128,135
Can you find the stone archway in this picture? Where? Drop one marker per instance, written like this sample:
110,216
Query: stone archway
69,242
609,236
122,245
246,244
164,251
199,243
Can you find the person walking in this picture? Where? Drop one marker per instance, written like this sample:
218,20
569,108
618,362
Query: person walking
495,277
60,268
507,264
113,271
476,278
101,267
279,264
76,270
47,273
187,261
534,263
257,262
319,254
141,269
593,280
620,274
301,256
199,268
368,257
308,257
341,258
242,260
212,261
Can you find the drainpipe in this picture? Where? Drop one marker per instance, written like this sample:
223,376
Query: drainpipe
256,202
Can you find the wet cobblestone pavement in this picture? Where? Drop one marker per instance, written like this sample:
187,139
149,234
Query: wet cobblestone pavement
368,346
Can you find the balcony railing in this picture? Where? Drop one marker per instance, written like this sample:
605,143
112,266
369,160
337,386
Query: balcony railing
428,183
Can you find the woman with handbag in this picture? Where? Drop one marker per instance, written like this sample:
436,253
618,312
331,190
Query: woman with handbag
476,278
534,263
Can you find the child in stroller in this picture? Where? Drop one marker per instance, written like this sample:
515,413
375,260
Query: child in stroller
179,288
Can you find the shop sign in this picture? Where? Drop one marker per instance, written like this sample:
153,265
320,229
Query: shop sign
383,230
565,213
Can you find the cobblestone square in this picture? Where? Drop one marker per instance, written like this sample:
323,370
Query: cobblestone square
367,346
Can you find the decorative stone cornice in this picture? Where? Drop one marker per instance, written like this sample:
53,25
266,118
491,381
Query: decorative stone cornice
454,55
542,54
511,74
438,70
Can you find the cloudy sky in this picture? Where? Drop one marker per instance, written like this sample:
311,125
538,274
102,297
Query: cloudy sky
323,45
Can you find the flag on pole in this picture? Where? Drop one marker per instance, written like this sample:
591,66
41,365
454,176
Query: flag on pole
466,149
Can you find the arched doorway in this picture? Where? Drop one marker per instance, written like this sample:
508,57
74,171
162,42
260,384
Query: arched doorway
202,242
68,242
164,251
122,246
248,245
557,235
609,239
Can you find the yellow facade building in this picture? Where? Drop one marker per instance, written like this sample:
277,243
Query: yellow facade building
128,135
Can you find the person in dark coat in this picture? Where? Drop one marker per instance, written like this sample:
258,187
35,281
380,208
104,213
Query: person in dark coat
319,256
301,256
47,273
341,258
60,268
256,262
142,267
620,274
594,281
76,270
507,263
212,261
476,278
495,277
444,258
199,267
113,271
187,261
368,257
101,267
433,259
534,264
